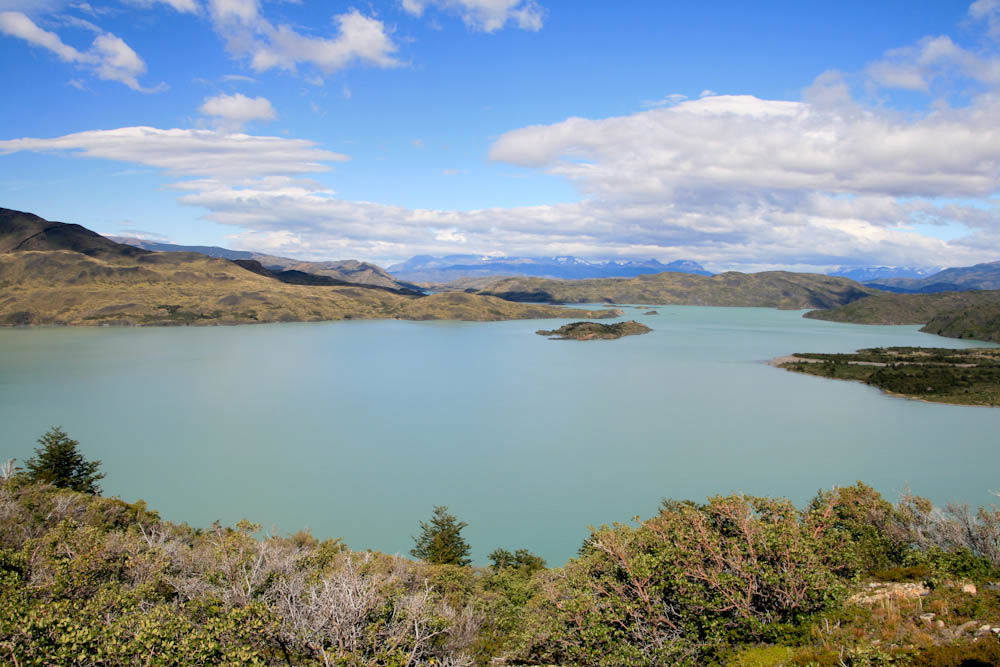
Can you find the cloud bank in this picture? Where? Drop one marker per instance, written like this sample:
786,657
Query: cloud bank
731,180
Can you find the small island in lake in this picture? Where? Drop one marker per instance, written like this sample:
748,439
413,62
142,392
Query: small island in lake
596,331
939,375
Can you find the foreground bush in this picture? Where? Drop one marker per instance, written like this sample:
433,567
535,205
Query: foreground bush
677,587
737,580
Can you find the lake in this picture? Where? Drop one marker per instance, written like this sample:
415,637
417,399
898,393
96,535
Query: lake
358,429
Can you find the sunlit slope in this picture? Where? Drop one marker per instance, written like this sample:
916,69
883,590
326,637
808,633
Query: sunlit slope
774,289
65,287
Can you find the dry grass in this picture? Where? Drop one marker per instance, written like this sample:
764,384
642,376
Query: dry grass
68,288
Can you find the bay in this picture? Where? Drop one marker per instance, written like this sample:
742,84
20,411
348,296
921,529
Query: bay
357,429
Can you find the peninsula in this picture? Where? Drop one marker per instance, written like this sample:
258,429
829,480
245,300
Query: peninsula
938,375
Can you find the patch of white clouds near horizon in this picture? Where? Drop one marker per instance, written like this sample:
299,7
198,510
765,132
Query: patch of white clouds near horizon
836,176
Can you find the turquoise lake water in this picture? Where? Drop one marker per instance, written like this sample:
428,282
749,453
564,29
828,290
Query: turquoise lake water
357,429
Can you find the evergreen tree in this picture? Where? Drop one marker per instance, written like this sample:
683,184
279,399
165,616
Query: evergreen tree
58,462
440,540
522,559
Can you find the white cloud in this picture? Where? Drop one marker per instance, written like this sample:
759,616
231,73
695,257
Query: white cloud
359,39
223,158
18,25
932,60
486,15
742,143
116,61
235,111
183,6
32,7
109,57
988,11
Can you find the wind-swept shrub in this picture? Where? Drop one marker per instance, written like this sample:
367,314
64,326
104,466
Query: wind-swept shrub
674,588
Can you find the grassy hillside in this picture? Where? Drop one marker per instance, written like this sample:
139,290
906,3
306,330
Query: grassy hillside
64,287
974,315
775,289
53,273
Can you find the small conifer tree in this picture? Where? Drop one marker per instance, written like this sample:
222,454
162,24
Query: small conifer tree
440,540
58,462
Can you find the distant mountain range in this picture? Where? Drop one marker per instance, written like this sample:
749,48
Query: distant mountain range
959,279
429,269
867,274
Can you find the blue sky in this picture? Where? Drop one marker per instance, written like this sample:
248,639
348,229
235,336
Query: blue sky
783,134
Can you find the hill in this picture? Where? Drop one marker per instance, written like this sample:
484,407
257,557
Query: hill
979,277
429,269
347,271
76,277
974,315
20,232
774,289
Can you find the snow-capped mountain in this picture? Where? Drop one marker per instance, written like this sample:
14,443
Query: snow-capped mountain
426,268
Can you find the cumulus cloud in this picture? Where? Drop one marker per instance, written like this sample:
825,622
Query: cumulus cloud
742,143
109,57
359,39
234,111
486,15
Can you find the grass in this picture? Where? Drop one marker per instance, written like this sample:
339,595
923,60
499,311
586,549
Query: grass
771,289
69,288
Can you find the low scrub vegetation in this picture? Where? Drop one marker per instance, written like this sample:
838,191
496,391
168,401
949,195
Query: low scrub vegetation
850,579
964,377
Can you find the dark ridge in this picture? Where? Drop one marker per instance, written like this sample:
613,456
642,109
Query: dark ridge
293,277
20,231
